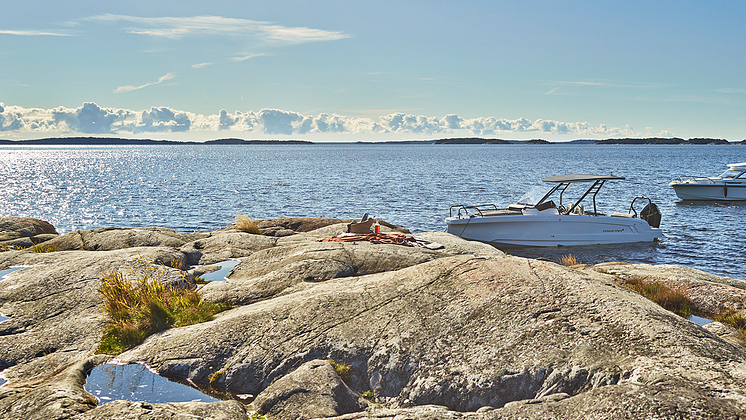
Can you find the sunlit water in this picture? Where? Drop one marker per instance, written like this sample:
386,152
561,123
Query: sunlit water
201,188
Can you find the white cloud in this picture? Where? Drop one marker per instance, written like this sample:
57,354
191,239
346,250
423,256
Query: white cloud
33,33
130,88
731,90
200,65
163,119
89,118
246,57
179,27
93,119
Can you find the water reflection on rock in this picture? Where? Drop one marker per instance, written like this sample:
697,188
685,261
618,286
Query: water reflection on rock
135,382
220,275
4,273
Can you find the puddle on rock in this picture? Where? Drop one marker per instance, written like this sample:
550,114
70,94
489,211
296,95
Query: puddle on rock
4,273
219,275
136,382
699,320
3,318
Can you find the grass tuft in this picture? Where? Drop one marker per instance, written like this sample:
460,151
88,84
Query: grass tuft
673,299
41,248
7,247
734,319
344,371
137,308
244,223
569,260
368,395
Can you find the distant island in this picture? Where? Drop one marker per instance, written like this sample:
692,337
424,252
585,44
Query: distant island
659,140
112,141
472,140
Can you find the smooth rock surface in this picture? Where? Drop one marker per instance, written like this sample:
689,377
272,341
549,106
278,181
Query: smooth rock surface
463,331
314,390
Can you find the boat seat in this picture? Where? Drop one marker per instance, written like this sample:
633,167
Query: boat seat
619,214
547,205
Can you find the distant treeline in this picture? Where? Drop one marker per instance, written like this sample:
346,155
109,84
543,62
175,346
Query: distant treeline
650,140
90,141
110,141
659,140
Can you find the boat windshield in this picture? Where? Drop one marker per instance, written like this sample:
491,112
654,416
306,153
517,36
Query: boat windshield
730,173
533,195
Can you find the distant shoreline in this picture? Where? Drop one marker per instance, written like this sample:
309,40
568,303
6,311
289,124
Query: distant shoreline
112,141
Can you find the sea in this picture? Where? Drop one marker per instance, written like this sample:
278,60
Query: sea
196,187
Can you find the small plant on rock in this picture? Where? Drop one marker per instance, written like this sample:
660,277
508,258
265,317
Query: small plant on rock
568,260
344,371
244,223
673,299
41,248
368,395
145,305
734,319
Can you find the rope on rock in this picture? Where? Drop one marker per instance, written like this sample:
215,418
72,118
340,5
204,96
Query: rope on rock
376,238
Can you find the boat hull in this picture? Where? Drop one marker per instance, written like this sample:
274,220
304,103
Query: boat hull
710,192
552,230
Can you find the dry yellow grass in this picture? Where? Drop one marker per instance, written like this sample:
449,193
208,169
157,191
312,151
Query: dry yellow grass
569,260
675,300
244,223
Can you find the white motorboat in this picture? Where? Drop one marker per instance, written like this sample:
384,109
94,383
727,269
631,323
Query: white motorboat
548,224
728,186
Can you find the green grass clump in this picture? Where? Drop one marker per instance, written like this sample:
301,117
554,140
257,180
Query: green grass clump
244,223
143,306
672,299
368,395
344,371
734,319
41,248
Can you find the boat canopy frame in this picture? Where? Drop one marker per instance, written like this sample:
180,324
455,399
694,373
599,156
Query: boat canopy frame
564,181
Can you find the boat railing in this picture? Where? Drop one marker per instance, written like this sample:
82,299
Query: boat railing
471,211
632,210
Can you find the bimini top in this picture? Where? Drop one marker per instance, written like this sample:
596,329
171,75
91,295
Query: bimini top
580,178
737,166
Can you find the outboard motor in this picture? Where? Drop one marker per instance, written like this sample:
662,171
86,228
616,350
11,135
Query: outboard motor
651,214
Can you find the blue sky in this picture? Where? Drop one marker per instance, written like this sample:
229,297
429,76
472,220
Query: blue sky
373,70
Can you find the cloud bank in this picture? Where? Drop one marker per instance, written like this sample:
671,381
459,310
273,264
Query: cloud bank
90,118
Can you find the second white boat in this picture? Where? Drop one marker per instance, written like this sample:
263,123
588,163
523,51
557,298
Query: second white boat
728,186
548,224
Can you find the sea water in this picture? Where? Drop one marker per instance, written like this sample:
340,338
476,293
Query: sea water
202,188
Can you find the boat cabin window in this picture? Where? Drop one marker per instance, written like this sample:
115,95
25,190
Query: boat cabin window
731,173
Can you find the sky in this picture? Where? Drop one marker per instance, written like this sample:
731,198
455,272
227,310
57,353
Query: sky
372,70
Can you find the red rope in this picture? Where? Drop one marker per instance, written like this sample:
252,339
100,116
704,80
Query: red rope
376,238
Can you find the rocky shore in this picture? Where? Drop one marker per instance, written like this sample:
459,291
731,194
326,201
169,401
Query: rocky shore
454,329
